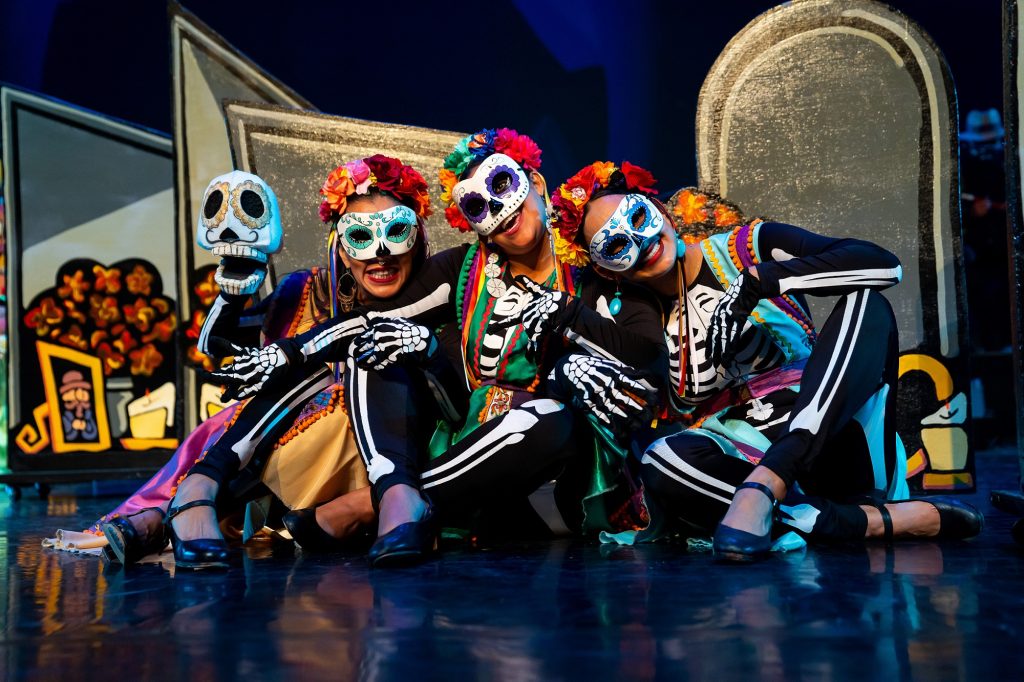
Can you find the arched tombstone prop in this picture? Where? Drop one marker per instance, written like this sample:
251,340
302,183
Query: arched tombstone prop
205,70
295,150
1013,84
840,116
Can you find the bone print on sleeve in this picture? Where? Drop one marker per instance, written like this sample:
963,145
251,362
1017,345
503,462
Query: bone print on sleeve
229,319
795,261
428,299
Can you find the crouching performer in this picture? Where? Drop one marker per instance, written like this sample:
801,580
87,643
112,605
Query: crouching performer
766,407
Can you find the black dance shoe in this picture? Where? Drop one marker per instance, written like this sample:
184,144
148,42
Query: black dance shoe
195,554
407,544
310,537
127,544
738,546
957,520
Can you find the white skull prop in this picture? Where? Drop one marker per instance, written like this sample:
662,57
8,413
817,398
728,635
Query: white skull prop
240,222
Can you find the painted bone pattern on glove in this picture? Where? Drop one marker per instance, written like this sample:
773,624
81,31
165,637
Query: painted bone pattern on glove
389,341
600,387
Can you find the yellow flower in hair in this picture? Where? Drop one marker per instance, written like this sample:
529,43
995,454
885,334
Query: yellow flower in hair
448,182
577,195
570,252
603,170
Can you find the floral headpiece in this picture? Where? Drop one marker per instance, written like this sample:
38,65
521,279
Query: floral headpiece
699,214
472,148
572,197
383,172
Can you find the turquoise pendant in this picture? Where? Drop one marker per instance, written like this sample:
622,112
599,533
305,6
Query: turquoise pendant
616,305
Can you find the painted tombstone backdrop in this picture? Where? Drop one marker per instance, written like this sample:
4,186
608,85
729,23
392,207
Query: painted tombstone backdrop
295,150
91,285
205,70
840,116
1013,83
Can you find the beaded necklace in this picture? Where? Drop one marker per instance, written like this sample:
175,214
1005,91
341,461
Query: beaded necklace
481,268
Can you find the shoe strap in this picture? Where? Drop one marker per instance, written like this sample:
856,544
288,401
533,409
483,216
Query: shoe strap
158,510
753,485
189,505
886,520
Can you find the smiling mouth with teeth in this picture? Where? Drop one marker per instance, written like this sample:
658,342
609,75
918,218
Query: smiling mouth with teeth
384,274
509,225
651,253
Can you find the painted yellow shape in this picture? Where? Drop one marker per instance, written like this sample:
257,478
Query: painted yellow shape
135,444
946,447
916,463
94,370
33,438
150,424
938,373
957,481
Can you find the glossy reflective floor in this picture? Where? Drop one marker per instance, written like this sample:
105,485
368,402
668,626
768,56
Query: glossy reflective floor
541,612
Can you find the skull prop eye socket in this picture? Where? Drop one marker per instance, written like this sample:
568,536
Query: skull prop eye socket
250,205
215,205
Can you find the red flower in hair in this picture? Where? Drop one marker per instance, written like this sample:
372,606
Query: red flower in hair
456,219
519,147
567,215
387,171
638,178
325,212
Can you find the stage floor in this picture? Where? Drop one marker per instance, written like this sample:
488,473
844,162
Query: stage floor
556,611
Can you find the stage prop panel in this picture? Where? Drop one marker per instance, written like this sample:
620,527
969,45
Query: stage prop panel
840,116
295,150
205,70
91,281
1013,85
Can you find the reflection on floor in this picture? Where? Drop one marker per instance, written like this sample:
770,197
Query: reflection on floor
546,612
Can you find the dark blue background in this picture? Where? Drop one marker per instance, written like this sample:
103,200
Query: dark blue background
588,78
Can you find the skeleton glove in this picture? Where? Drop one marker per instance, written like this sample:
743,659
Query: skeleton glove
730,317
393,340
612,392
544,312
252,368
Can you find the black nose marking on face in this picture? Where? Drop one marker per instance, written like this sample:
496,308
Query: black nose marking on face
228,235
495,206
383,251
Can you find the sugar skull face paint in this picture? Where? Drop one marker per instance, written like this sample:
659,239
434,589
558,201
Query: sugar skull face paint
632,230
495,192
366,236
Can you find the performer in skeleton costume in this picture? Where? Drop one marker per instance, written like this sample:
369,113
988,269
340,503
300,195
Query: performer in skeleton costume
769,408
516,306
299,438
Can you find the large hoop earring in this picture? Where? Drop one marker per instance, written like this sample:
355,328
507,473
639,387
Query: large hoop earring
346,291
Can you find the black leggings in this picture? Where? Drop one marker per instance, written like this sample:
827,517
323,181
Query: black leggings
823,447
507,457
262,421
